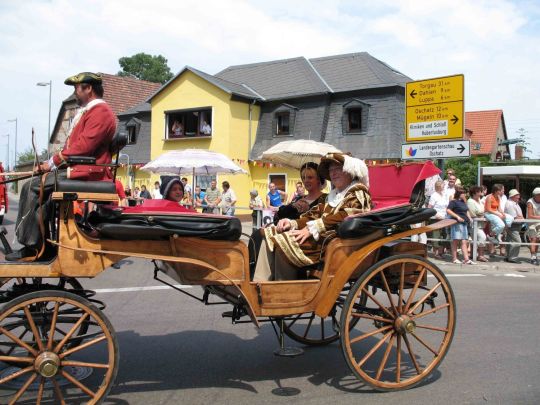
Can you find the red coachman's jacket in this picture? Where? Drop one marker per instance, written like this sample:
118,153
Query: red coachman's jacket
91,137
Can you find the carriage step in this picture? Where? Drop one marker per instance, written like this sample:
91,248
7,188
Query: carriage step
235,314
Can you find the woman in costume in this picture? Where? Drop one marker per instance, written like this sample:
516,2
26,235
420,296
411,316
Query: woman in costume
296,243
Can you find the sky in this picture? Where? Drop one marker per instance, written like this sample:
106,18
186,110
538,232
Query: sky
494,43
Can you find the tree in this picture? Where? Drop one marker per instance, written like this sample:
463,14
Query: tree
145,67
28,155
467,169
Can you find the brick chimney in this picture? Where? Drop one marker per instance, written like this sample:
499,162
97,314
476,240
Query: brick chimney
518,152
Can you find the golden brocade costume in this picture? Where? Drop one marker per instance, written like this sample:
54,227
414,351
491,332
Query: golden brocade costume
324,218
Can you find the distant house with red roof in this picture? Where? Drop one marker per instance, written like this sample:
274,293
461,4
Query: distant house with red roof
486,130
121,93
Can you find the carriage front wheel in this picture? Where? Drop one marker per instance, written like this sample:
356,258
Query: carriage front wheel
403,331
43,356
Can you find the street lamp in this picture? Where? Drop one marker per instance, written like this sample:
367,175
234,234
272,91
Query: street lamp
49,83
15,121
7,154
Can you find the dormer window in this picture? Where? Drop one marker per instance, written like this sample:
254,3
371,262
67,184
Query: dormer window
132,136
133,126
355,117
283,122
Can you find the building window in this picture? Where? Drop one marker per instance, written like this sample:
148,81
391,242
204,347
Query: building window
132,135
354,120
355,117
283,123
189,123
203,181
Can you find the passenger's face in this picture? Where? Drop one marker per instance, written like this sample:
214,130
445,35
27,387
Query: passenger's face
338,177
175,193
310,180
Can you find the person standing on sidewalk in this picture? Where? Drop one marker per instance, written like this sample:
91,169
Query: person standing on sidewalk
476,208
212,199
533,212
228,199
458,210
513,209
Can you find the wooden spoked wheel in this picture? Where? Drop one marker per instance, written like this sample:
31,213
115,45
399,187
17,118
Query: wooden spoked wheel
44,358
406,326
313,330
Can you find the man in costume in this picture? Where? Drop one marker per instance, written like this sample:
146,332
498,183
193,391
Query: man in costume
90,134
294,244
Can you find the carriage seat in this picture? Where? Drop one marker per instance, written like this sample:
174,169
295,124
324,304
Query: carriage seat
80,186
161,226
389,219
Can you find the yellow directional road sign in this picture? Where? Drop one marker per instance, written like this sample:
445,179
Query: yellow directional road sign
434,109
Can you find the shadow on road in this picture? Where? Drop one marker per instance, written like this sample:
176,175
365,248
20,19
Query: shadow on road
199,359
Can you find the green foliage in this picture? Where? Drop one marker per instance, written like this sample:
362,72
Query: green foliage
466,169
145,67
28,155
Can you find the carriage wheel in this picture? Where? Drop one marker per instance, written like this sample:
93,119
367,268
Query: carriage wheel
67,284
406,326
314,330
55,364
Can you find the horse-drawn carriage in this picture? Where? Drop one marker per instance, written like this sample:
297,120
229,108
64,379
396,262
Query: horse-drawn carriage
392,310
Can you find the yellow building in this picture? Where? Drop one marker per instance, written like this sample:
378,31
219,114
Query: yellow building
196,110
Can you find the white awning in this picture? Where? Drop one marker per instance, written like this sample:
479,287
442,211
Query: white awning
506,171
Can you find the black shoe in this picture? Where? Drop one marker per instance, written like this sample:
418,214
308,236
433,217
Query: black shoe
21,254
507,260
535,262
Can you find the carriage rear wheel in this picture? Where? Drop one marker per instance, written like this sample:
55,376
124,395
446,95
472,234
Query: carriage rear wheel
55,363
313,330
406,326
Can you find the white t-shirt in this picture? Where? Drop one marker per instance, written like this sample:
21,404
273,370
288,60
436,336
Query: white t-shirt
156,195
502,202
439,203
476,208
227,198
512,208
449,193
535,210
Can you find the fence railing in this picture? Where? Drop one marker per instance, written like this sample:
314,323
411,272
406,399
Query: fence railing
476,227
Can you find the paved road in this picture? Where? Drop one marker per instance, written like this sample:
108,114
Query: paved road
175,350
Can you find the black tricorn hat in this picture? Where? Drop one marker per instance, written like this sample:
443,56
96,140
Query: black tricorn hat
83,77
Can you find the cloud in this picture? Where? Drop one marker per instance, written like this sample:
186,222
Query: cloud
491,42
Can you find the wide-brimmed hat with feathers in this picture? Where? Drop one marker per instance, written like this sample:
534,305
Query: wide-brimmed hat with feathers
357,168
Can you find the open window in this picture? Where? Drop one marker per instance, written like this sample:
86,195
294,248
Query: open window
355,117
189,123
133,127
283,122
